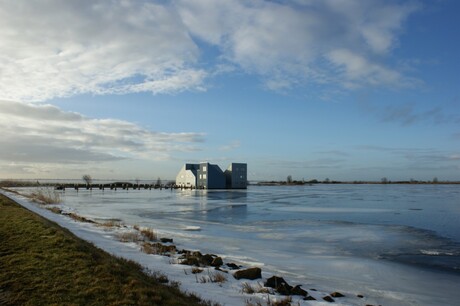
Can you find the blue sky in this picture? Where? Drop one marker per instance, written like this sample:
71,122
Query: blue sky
346,90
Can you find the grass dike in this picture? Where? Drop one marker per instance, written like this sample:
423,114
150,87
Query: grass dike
42,263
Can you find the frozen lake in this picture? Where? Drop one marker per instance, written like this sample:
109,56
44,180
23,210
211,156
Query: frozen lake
399,244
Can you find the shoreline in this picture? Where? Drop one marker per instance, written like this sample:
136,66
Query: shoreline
323,273
182,267
61,184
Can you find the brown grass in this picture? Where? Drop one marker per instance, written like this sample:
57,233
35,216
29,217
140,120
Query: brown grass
111,223
45,196
250,289
284,302
149,234
215,277
131,236
158,248
196,270
250,303
79,218
55,209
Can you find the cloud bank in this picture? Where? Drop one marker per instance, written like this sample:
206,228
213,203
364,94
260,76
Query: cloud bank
63,48
44,134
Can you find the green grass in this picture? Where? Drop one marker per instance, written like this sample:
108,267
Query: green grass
44,264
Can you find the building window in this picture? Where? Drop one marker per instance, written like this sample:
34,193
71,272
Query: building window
204,176
204,168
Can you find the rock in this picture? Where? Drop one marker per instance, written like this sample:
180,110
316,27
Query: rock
183,251
198,259
206,259
190,258
337,294
298,291
197,254
327,298
309,298
217,262
279,284
190,261
274,282
250,273
360,296
233,266
284,289
166,240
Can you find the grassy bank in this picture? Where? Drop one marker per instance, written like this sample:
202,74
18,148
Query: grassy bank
44,264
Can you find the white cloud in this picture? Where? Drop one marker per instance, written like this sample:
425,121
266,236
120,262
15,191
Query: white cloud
355,70
296,42
62,48
35,134
231,146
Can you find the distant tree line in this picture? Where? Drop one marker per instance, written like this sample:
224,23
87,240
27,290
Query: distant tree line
384,180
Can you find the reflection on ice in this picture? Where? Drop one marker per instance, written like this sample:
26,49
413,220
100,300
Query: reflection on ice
192,228
332,210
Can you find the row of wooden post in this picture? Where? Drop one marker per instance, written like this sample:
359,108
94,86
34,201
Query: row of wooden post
123,187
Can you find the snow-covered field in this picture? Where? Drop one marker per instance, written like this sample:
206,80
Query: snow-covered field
394,245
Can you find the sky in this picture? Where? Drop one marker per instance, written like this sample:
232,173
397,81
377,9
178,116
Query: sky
338,89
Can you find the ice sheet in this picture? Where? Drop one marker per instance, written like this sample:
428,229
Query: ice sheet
394,246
